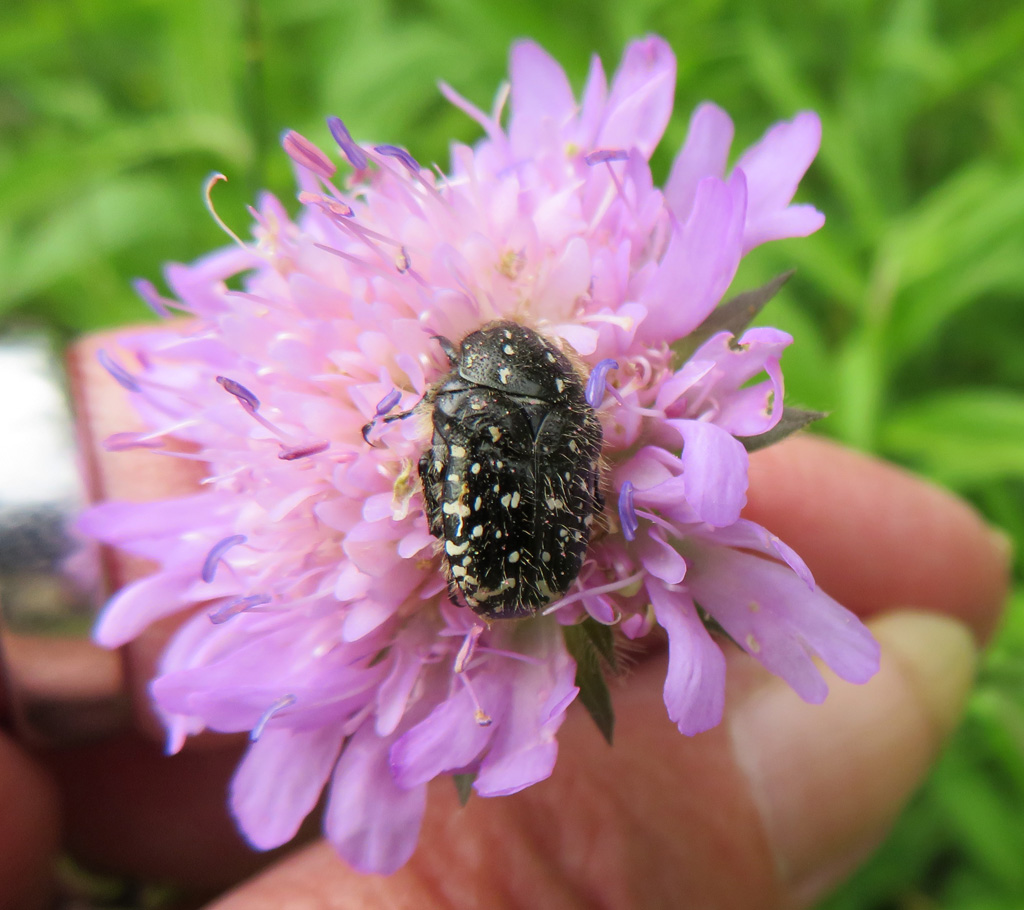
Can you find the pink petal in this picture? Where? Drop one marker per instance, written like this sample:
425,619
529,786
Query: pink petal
695,682
776,163
542,98
447,739
745,409
704,154
746,535
120,523
794,221
523,749
567,280
775,617
143,602
279,781
371,821
699,263
773,170
640,101
363,617
714,470
660,558
592,104
396,689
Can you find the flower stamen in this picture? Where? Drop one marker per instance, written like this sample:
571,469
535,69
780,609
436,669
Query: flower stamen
213,558
236,606
617,585
598,381
285,701
305,154
248,401
122,442
468,648
123,378
349,148
212,181
627,513
603,156
303,450
155,300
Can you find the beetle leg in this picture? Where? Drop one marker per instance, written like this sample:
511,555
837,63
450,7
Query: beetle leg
432,489
390,418
450,351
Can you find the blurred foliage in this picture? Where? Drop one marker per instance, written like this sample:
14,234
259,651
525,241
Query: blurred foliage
908,307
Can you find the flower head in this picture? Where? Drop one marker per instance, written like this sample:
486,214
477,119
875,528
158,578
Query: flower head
319,616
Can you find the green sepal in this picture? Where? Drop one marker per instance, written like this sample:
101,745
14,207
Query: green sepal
792,419
464,786
603,639
714,626
735,314
588,648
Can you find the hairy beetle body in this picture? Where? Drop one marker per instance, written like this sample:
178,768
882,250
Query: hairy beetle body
511,477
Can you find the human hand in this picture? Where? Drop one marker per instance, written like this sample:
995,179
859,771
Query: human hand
767,810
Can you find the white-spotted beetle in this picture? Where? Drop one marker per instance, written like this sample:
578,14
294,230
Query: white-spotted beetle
511,478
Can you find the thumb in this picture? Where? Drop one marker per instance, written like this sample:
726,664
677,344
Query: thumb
769,813
829,780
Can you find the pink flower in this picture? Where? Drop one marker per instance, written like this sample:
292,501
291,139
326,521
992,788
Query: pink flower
325,628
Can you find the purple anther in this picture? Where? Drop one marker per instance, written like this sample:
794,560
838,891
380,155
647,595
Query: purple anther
303,450
249,401
285,701
627,513
393,151
215,554
239,605
356,156
148,292
120,374
599,156
307,155
597,380
387,403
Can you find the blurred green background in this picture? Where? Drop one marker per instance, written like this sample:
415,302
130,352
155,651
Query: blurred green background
908,307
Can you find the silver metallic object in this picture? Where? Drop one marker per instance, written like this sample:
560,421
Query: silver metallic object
56,686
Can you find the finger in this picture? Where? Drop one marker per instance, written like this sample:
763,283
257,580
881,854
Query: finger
767,811
830,780
29,829
875,535
102,408
131,810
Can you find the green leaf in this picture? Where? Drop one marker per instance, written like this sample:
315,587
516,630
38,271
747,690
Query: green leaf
962,437
792,420
583,645
464,786
602,637
737,313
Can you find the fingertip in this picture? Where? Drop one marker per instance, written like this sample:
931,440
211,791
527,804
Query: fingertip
876,536
829,780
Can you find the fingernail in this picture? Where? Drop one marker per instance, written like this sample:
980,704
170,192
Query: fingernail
830,779
1002,543
936,656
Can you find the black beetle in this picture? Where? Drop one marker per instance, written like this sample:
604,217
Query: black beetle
511,479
